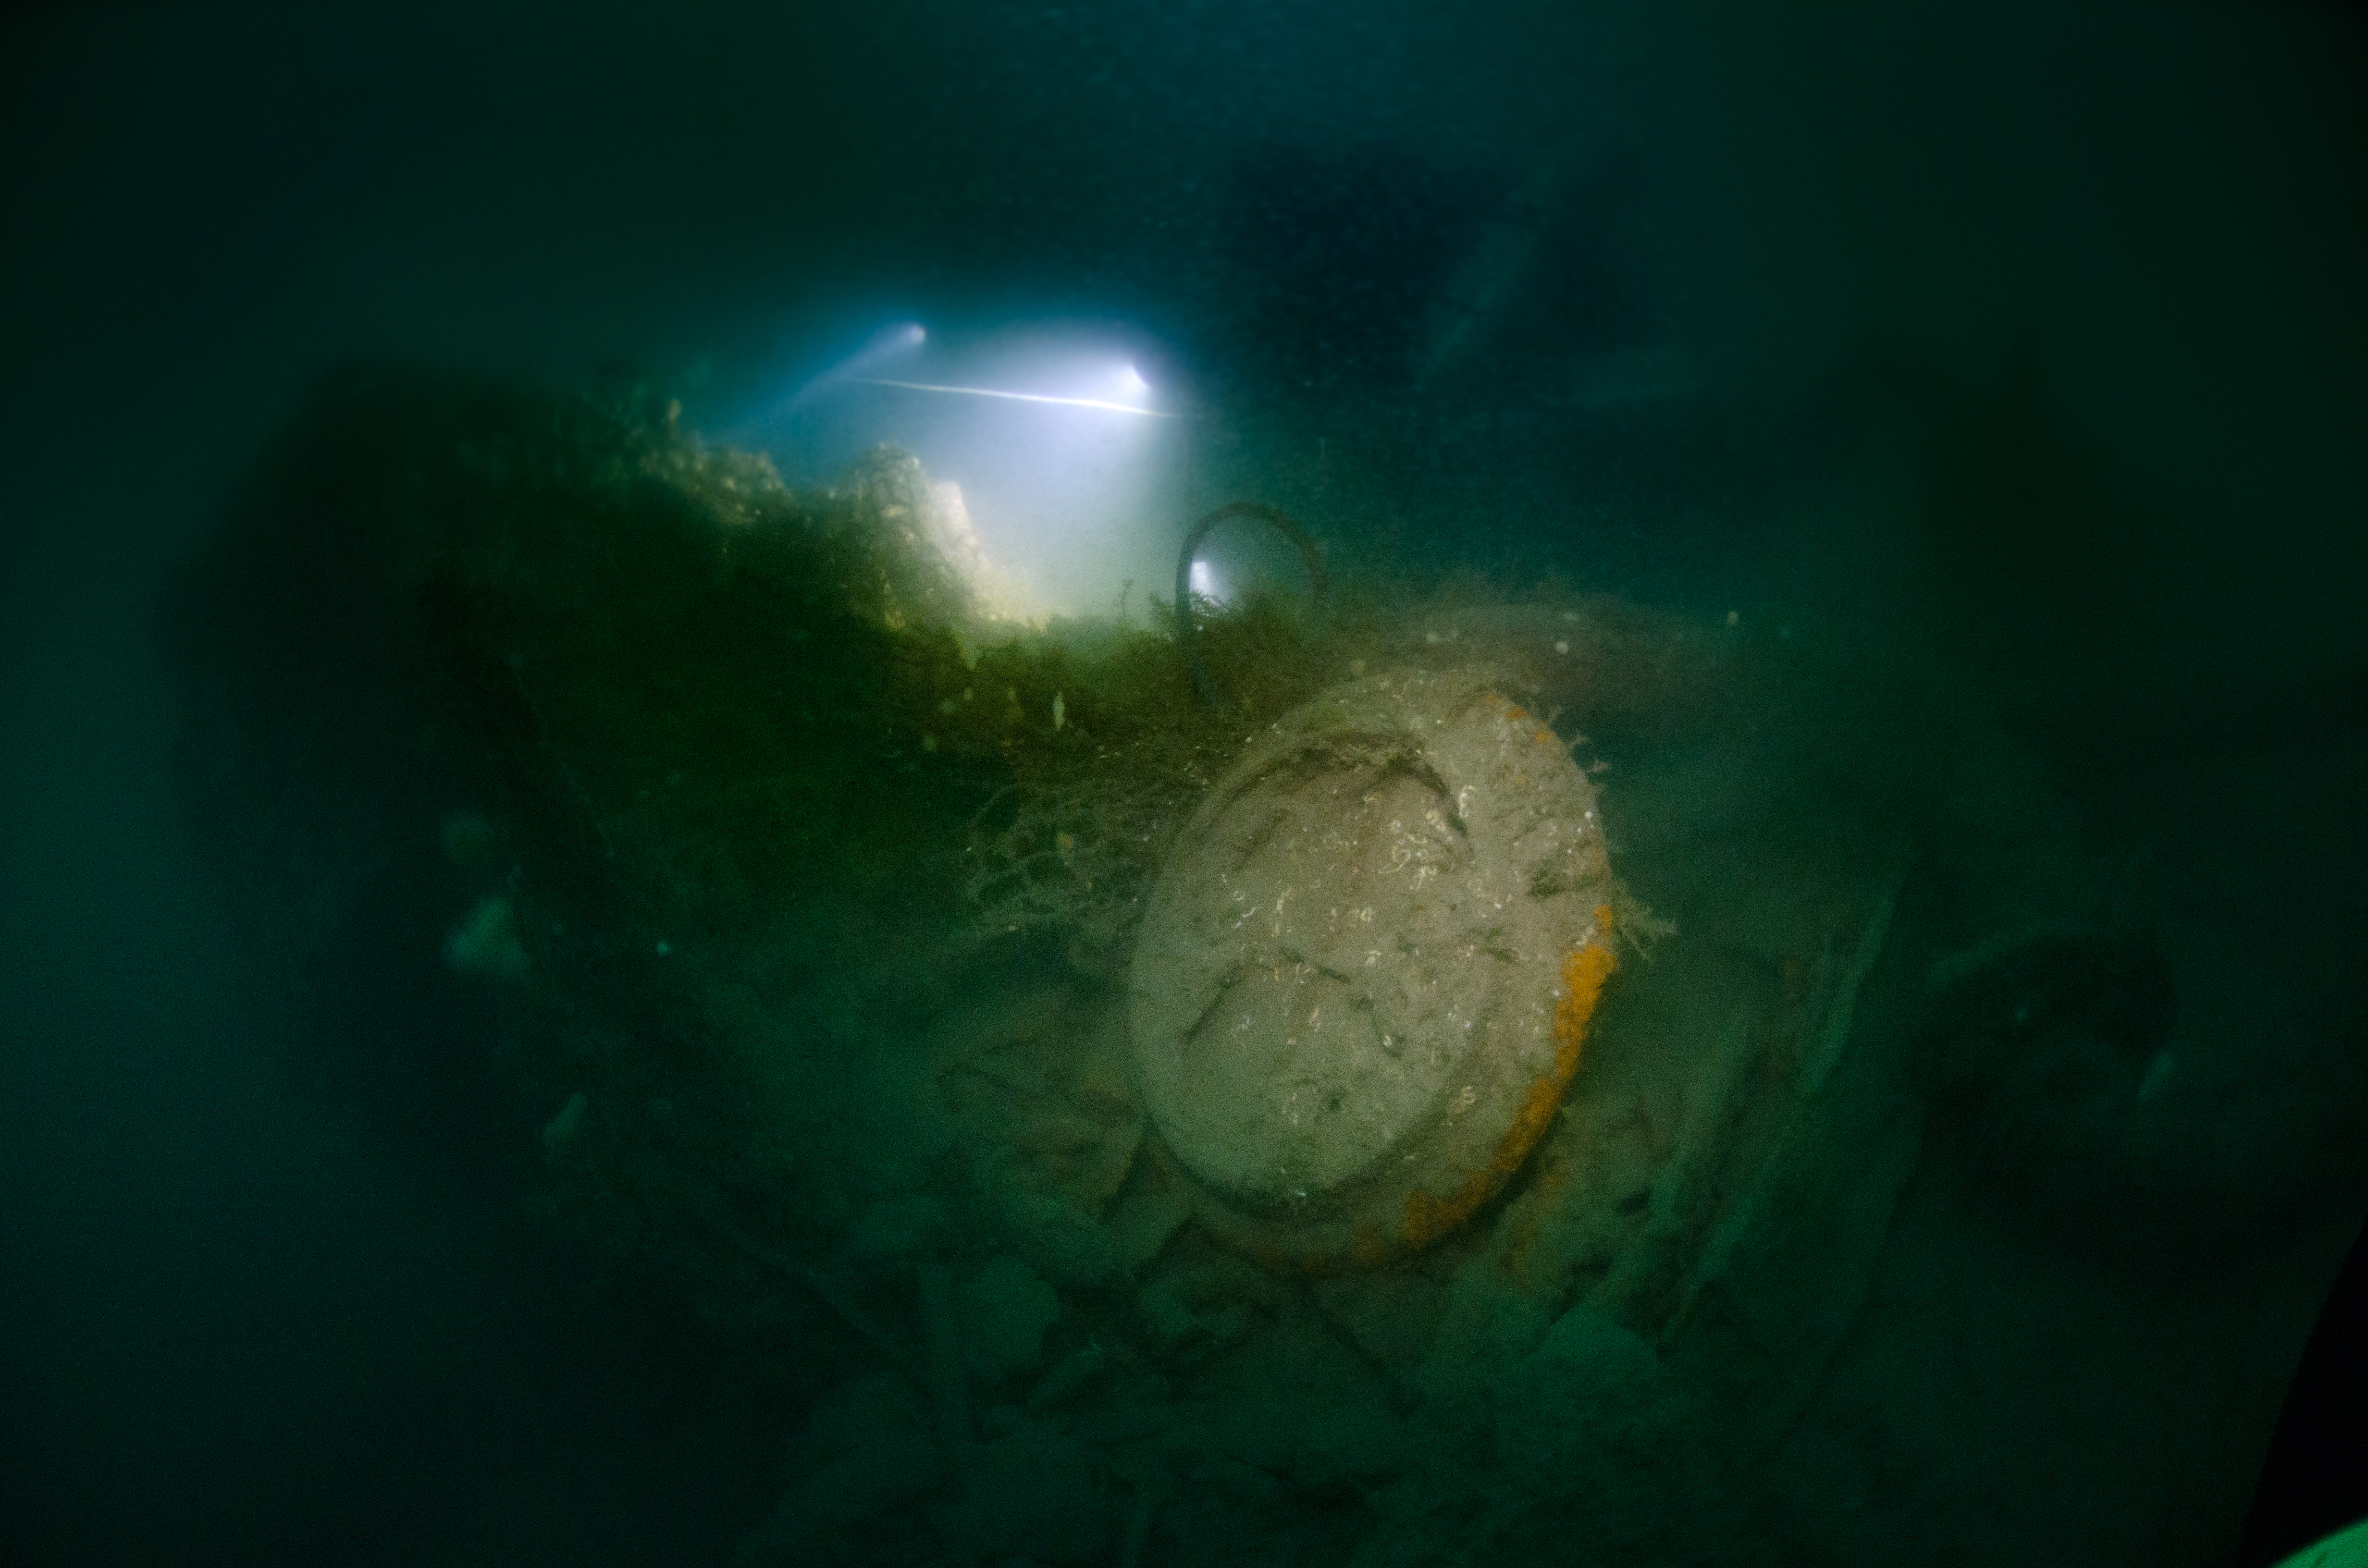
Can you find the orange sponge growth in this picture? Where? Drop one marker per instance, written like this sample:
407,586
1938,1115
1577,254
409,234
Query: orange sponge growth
1583,972
1583,975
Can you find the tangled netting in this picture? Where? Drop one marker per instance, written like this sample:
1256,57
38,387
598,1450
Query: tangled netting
1076,854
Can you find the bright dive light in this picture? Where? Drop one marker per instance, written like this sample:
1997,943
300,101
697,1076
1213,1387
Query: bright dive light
1058,493
887,343
881,348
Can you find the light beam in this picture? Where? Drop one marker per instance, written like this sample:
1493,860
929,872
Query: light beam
1020,396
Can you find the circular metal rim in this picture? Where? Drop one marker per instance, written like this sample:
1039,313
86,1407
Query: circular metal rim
1373,1222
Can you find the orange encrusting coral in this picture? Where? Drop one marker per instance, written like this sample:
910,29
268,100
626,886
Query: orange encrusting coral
1583,972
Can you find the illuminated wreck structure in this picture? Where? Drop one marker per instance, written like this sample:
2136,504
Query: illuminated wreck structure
1316,1127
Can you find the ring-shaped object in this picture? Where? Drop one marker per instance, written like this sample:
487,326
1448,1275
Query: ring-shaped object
1367,967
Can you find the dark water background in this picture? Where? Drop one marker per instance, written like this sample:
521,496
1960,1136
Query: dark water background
242,1317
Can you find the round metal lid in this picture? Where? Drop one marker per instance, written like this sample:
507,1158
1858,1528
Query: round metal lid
1365,970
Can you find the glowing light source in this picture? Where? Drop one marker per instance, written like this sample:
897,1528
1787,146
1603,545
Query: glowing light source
1059,441
1101,403
882,347
885,344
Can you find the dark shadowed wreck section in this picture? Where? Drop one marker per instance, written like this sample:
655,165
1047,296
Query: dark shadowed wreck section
1805,1130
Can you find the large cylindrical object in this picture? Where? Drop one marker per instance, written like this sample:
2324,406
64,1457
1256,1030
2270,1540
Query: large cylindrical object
1366,969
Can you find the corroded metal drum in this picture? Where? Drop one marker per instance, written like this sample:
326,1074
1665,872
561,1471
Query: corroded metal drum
1367,967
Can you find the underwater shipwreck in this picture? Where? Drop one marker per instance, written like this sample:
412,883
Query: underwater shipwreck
1386,1072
